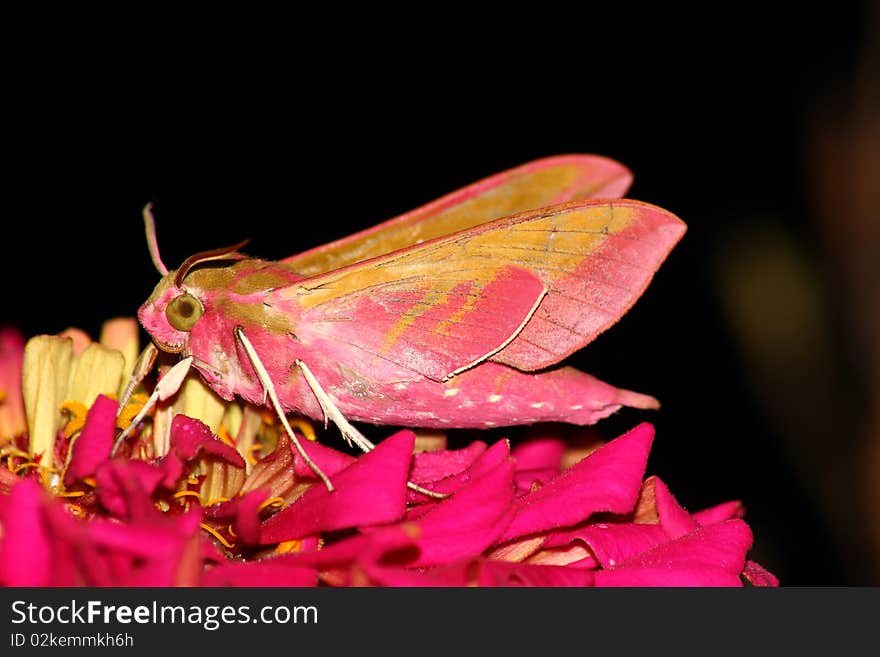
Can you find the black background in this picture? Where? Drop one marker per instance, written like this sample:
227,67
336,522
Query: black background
294,143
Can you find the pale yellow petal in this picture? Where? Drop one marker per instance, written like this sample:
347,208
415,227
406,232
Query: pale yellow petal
198,401
45,372
96,371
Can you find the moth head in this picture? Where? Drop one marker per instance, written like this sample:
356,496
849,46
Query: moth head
179,300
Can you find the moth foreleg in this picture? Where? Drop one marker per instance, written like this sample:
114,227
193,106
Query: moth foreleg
269,389
167,386
142,367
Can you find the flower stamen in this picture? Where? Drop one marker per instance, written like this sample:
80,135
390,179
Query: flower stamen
77,412
276,502
213,532
288,546
253,449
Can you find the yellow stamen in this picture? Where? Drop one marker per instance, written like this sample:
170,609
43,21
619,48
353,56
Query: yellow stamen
288,546
253,449
213,532
132,408
72,493
223,435
77,412
76,511
231,531
185,493
305,428
25,466
10,451
193,481
90,481
216,500
272,501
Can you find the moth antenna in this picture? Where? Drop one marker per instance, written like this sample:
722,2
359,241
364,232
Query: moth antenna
152,242
224,253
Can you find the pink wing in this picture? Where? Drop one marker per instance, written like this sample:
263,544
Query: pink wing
440,307
534,185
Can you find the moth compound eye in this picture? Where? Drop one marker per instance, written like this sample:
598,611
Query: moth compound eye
184,311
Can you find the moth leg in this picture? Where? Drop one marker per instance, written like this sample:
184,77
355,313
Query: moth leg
142,367
331,412
269,389
167,386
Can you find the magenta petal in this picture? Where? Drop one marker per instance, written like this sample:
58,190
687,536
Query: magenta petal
537,461
674,520
486,462
266,573
26,550
95,442
329,460
609,479
189,436
757,575
613,544
433,466
719,513
152,541
245,511
502,573
466,523
450,575
370,491
539,454
125,487
667,577
723,545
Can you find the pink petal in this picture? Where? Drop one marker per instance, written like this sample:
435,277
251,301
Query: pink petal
433,466
165,552
125,487
352,557
446,576
156,540
658,576
370,491
463,525
722,545
612,544
609,480
537,461
719,513
757,575
245,511
95,442
539,454
329,460
190,436
26,550
487,461
266,573
500,573
674,520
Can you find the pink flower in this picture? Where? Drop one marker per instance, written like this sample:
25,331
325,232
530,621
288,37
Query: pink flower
199,515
